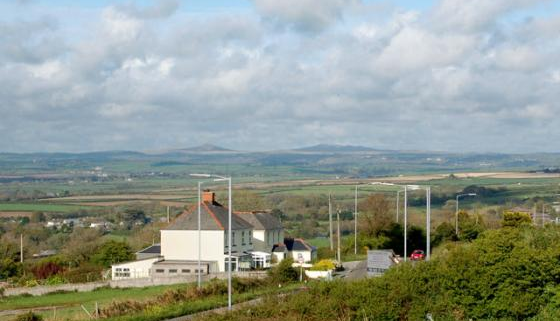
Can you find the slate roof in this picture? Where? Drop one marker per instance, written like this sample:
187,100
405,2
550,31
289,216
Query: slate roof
152,249
213,216
279,248
297,245
261,221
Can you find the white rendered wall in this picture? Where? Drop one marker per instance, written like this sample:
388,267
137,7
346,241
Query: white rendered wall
183,245
137,269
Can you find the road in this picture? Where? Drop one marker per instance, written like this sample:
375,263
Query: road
353,270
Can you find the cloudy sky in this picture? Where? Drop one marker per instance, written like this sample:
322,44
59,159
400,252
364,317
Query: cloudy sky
453,75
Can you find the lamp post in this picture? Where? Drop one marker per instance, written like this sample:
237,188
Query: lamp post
218,178
199,238
457,210
398,193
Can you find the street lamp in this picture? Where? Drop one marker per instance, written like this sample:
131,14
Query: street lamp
218,178
199,238
457,210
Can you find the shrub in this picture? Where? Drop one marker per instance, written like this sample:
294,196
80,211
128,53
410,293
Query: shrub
515,219
2,291
323,265
46,270
121,308
29,316
83,273
284,272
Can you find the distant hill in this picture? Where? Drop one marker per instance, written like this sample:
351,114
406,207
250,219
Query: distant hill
326,148
204,148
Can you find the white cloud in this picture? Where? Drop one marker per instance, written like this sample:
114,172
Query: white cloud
332,75
304,15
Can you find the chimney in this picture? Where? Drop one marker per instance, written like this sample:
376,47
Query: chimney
208,196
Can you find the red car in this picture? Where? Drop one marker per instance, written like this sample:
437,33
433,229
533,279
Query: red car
417,255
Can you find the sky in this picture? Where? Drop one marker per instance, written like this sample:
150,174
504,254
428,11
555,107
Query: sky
441,75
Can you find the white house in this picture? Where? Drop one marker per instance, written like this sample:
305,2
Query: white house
267,230
179,241
254,235
295,248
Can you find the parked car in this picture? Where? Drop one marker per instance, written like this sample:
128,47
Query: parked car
417,255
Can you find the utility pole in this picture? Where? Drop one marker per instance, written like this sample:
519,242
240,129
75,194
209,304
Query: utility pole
405,219
167,214
542,215
398,192
356,221
338,234
428,220
21,248
330,224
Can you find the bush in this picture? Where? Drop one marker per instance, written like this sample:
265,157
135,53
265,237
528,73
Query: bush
46,270
29,316
323,265
284,272
83,273
2,291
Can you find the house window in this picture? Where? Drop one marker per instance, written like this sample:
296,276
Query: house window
233,238
160,270
173,271
250,237
225,240
186,271
243,238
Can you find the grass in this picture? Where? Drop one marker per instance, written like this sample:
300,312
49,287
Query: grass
74,298
37,207
69,304
205,304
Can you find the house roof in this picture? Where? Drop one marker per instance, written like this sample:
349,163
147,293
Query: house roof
279,248
261,220
152,249
293,244
213,216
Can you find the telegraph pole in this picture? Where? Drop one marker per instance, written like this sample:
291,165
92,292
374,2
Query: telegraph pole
338,234
21,248
167,214
330,223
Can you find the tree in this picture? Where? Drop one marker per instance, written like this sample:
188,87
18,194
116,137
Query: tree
37,217
82,244
515,219
444,232
112,252
9,268
374,215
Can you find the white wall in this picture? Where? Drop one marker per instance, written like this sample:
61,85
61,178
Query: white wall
306,256
183,245
135,269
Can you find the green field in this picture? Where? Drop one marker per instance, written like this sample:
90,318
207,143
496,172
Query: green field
41,207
